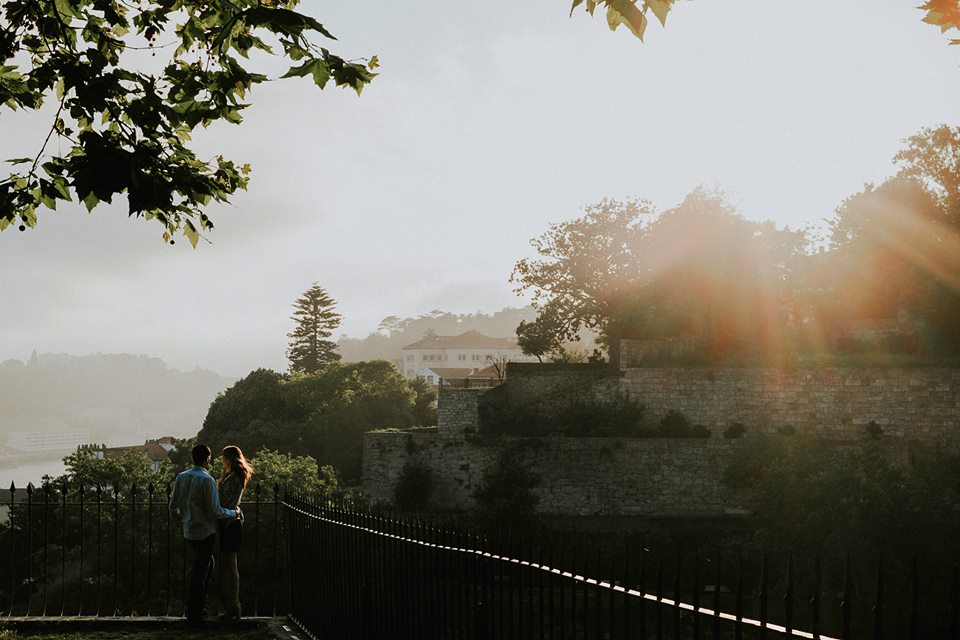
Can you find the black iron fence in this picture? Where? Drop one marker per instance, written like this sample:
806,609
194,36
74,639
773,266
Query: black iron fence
93,551
352,574
361,575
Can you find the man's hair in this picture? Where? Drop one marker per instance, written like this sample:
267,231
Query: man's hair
200,454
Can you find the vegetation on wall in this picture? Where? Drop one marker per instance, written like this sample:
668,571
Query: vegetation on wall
505,497
414,487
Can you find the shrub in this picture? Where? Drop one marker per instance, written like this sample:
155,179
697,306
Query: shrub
700,431
414,487
787,430
735,430
674,425
505,497
873,429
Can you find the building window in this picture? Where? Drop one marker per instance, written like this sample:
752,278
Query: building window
462,356
410,357
475,356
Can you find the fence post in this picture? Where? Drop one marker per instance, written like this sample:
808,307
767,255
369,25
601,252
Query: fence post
150,490
13,552
29,547
764,596
63,547
696,596
845,603
878,603
99,547
80,492
133,549
815,599
788,597
914,600
716,595
46,531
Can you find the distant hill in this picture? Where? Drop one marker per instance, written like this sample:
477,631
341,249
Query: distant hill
394,333
117,398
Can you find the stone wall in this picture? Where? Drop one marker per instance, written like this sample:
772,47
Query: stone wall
833,403
579,476
646,476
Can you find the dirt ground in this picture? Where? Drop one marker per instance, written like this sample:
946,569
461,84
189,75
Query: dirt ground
107,629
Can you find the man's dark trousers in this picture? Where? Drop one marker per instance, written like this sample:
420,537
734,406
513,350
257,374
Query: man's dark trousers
203,564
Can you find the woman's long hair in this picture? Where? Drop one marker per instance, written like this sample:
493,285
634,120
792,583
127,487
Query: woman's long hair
238,465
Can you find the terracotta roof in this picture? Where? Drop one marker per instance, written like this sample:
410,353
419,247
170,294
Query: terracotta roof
467,340
449,373
153,451
487,373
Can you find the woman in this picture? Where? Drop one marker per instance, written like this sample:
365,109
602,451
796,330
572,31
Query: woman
233,480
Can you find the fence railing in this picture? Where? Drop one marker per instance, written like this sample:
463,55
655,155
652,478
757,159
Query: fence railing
93,551
353,574
364,575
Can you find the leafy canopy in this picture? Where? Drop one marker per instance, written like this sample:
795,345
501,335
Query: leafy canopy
124,119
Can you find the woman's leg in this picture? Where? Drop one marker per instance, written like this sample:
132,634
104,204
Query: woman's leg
231,585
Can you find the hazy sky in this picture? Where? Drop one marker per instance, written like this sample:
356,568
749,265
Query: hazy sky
489,121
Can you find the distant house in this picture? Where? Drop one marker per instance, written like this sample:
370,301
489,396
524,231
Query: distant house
470,350
156,450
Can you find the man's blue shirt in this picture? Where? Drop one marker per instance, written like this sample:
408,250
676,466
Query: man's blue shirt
196,502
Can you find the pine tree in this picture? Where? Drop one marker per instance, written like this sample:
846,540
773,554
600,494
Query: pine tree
309,349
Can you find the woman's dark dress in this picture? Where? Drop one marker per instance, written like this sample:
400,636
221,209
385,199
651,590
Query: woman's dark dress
231,531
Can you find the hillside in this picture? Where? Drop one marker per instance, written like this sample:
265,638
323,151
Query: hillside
117,398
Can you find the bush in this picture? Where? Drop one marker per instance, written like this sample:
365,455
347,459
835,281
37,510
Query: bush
874,430
674,425
414,487
787,430
735,430
505,497
700,431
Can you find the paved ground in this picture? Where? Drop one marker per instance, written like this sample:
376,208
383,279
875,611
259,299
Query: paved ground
143,629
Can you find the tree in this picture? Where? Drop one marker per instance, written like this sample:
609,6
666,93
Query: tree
586,266
322,415
119,474
932,157
698,269
124,126
294,473
310,350
541,336
424,402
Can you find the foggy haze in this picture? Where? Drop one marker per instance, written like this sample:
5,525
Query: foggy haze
487,123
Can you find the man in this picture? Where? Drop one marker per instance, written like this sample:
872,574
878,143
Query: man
196,502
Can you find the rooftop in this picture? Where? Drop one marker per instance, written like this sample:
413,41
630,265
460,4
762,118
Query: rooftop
466,340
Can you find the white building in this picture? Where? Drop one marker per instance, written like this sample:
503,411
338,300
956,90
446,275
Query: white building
470,350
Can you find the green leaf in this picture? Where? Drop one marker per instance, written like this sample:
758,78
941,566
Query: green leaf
90,202
191,233
19,160
576,3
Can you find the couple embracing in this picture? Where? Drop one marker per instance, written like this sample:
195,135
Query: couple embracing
205,507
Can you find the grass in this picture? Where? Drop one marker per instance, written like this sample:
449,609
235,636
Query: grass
118,630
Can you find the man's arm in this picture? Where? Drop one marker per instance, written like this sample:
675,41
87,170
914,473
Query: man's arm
214,501
175,499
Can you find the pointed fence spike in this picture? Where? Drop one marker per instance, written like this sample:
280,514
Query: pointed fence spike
845,604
